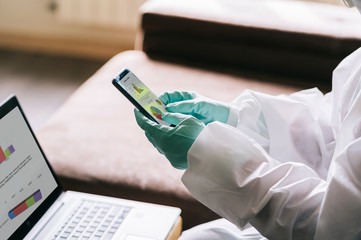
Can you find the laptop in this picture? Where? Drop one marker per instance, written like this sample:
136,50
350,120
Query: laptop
33,204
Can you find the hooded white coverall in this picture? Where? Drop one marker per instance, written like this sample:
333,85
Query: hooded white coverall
288,165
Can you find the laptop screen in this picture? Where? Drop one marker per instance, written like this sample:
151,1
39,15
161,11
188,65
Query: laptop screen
26,179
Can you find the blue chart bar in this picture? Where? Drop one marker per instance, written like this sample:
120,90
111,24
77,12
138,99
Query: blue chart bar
31,200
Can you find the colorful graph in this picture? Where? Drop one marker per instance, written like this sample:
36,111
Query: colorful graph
139,90
159,102
5,154
31,200
156,112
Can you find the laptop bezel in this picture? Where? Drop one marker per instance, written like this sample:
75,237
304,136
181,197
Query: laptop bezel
5,107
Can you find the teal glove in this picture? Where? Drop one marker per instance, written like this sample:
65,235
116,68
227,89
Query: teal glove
191,103
173,142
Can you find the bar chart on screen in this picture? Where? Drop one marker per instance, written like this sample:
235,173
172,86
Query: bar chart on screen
23,194
5,153
28,202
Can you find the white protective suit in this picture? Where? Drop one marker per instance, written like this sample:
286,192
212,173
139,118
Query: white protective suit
288,165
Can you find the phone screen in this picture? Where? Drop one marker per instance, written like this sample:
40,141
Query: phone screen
141,94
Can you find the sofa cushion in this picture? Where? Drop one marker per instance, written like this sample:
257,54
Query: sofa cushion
95,145
290,38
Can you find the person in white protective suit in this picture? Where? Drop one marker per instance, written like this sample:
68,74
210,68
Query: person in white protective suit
275,167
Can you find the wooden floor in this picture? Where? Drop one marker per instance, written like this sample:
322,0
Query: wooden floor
42,82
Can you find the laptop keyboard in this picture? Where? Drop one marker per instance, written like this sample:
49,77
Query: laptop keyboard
93,220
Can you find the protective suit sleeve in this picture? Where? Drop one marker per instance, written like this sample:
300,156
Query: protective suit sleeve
291,165
290,128
341,207
233,115
244,184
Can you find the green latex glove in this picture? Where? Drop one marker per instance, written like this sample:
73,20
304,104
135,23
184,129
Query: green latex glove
173,142
191,103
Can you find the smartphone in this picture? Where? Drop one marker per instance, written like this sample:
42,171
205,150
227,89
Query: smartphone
140,95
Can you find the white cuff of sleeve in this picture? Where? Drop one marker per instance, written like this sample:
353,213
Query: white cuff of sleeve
233,116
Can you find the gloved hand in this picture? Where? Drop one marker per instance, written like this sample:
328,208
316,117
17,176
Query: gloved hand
173,142
191,103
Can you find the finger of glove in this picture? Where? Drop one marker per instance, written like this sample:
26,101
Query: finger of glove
174,118
148,125
150,139
185,107
154,143
143,122
176,96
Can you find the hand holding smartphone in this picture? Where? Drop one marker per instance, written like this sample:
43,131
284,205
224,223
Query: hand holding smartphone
140,95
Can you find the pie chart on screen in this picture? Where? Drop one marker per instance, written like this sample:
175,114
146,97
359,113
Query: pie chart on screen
156,112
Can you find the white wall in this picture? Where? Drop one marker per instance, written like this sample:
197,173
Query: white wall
28,20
